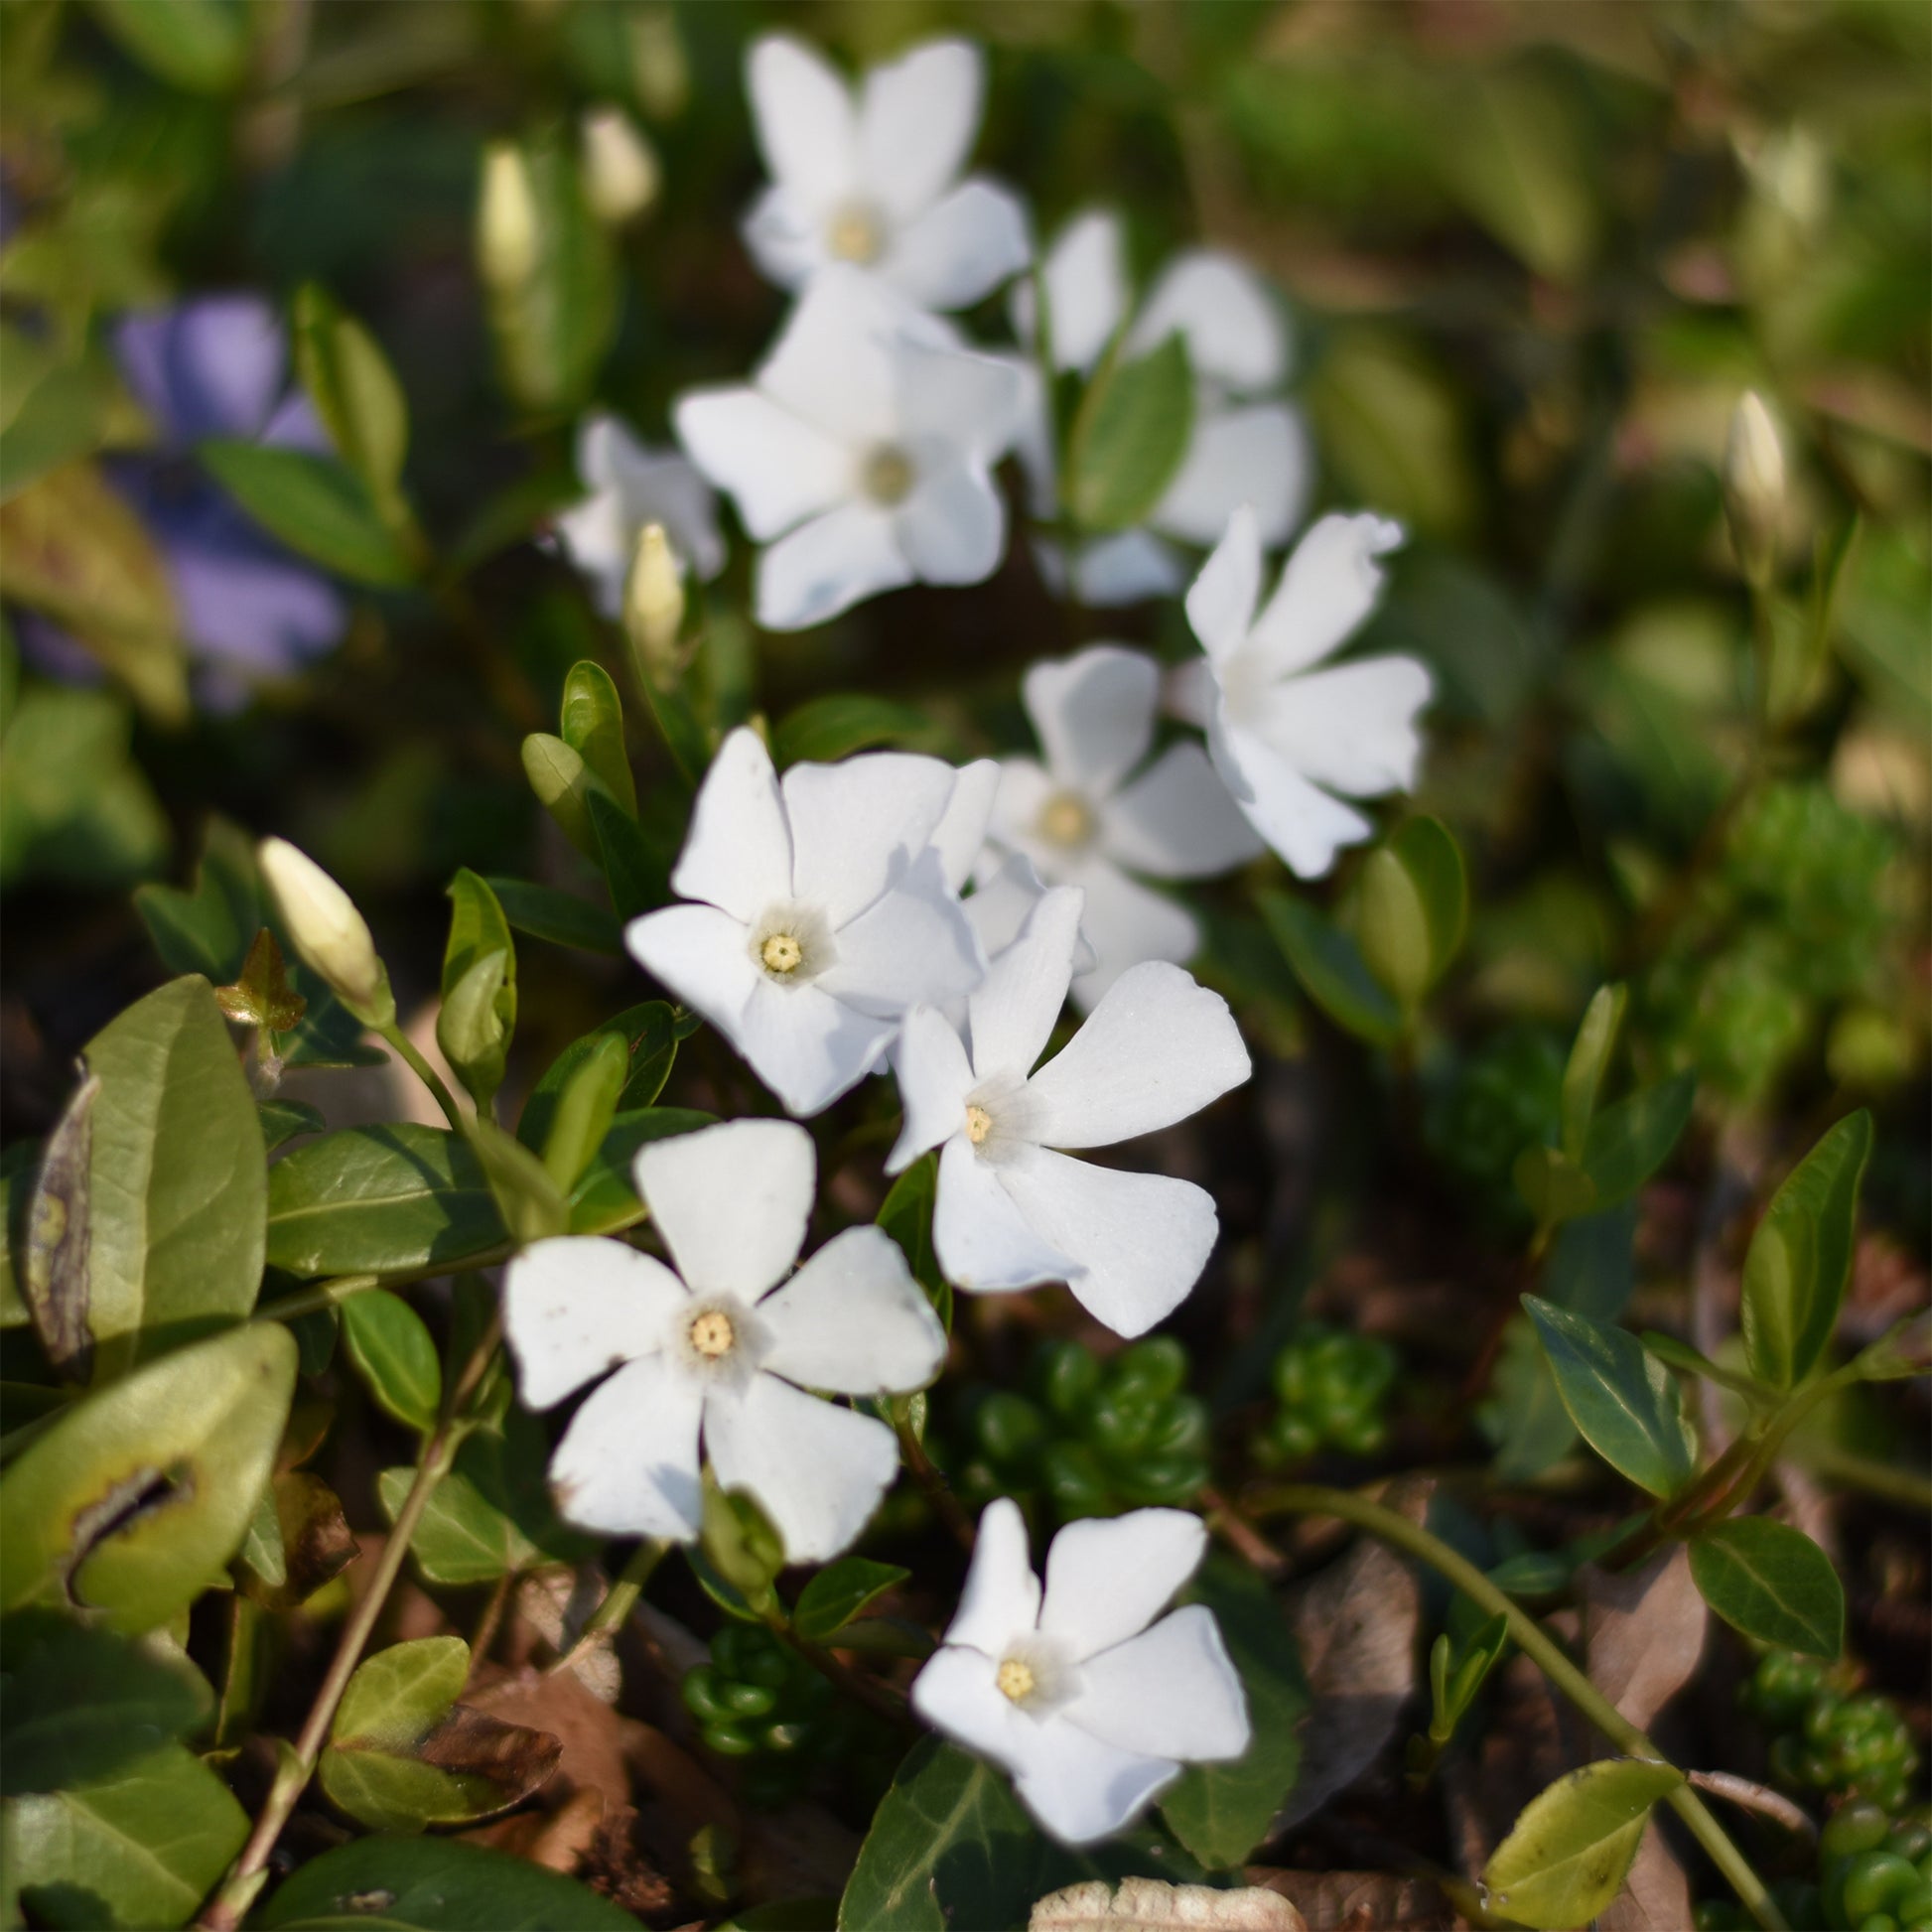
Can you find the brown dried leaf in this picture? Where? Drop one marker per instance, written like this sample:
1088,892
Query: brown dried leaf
1644,1634
316,1543
53,1276
471,1744
1150,1905
1360,1901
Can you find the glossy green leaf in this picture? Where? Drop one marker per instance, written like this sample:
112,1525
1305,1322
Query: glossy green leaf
200,44
133,1502
1624,1402
839,1592
478,928
649,1034
1589,1059
530,1203
314,504
1628,1142
470,1028
139,1848
592,725
561,919
1568,1853
283,1120
906,1216
1413,908
843,722
1330,968
380,1199
396,1357
561,780
604,1198
1772,1583
585,1110
399,1693
353,390
637,875
1800,1258
1128,437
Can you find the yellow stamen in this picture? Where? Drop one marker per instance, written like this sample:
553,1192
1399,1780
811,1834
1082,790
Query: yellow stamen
979,1124
1066,819
888,476
854,237
781,953
1015,1680
712,1334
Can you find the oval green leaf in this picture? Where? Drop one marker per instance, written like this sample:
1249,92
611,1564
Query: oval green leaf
561,919
843,722
1772,1583
592,725
396,1357
839,1592
1330,968
1589,1059
1626,1144
316,505
1129,435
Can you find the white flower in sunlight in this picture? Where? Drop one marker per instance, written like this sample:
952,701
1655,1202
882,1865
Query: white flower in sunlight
869,176
1286,732
825,913
1078,1693
632,484
1011,1211
1084,820
865,447
1247,446
715,1359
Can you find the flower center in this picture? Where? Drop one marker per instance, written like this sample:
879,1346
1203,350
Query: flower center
712,1334
1015,1680
854,235
1066,819
781,953
979,1124
888,476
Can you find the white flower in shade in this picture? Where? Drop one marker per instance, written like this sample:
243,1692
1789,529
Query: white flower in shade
862,454
1012,1210
869,176
1086,819
1288,731
1091,1705
715,1359
825,912
632,484
1247,447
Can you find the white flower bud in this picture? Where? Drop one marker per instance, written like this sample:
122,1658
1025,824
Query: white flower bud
508,244
621,172
1753,481
654,606
326,930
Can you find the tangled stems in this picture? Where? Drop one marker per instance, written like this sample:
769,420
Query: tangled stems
1307,1499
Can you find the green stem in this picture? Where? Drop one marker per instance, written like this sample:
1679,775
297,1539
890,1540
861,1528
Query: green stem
341,1288
406,1050
875,1695
934,1486
1908,1488
1306,1499
619,1600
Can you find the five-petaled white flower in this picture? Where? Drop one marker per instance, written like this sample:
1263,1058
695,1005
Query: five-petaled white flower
633,484
1247,446
1013,1211
1286,735
1089,1704
865,447
1083,821
716,1358
871,177
827,911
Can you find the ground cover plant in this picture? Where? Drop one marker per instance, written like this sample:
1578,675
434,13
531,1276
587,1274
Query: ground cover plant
965,964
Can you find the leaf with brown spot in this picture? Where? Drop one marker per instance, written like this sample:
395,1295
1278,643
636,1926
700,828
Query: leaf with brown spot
54,1279
262,996
299,1541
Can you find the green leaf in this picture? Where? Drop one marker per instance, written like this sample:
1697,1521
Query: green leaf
1129,435
1413,908
478,928
400,1692
1330,968
82,1703
585,1110
1800,1258
1590,1058
561,919
133,1502
53,1272
1552,1186
906,1216
685,737
1772,1583
471,1028
841,723
649,1034
179,1180
1627,1404
433,1884
562,782
353,390
61,418
1221,1812
200,44
316,505
140,1849
634,871
839,1592
531,1204
1627,1143
1568,1853
604,1198
379,1200
283,1120
208,930
396,1356
593,727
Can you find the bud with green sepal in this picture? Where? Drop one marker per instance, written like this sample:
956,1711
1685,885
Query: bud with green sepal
329,935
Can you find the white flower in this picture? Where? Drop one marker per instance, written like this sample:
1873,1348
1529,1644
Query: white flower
826,912
716,1358
1244,449
871,177
1285,735
1091,1705
865,447
1010,1211
1084,822
632,484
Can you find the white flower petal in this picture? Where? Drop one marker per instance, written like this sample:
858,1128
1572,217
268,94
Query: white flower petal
934,1078
1170,1692
912,946
1017,801
1304,823
1178,820
1087,290
1258,456
1001,1597
958,1691
1094,713
959,400
785,235
854,1320
576,1307
1000,905
1350,727
962,247
1158,1047
1330,585
1221,599
961,831
835,365
661,486
1125,569
1232,324
702,955
953,529
858,826
1011,1013
918,117
803,116
828,565
1109,1577
731,1201
1138,1242
1127,924
738,853
628,1461
1081,1789
818,1472
778,468
805,1045
979,1233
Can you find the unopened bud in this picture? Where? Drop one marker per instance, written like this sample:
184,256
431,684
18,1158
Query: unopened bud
621,170
506,218
660,70
1753,483
654,606
327,931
